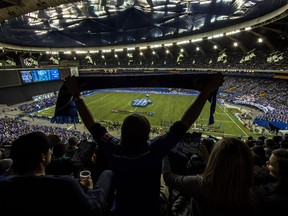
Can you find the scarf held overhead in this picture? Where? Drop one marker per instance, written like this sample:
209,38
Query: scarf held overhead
66,111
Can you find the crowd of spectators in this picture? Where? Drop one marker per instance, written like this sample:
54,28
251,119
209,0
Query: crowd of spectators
256,59
37,105
268,188
269,95
12,128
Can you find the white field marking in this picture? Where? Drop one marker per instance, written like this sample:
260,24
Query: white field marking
204,119
233,120
100,99
225,134
217,113
95,101
70,127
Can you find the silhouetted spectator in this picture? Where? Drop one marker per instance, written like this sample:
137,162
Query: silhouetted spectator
72,146
260,151
31,191
134,158
272,198
269,146
61,164
5,167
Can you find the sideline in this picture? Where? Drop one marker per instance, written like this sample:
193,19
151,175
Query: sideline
233,120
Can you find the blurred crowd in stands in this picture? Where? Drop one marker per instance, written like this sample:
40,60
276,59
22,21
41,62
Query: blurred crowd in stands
270,95
12,128
259,59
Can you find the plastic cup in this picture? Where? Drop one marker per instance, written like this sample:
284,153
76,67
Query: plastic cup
85,174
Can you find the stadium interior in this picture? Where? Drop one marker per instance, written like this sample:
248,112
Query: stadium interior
114,47
243,39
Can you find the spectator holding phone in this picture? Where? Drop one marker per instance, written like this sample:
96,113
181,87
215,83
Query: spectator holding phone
136,160
223,188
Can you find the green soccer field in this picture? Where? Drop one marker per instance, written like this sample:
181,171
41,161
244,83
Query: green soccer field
163,110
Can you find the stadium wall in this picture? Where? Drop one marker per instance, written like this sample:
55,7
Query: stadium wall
276,125
12,91
23,93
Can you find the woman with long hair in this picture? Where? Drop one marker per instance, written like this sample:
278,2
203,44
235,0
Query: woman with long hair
223,188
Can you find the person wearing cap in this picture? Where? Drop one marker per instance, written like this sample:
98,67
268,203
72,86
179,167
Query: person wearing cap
31,191
72,146
135,160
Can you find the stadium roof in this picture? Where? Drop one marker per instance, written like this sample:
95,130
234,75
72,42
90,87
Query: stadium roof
64,24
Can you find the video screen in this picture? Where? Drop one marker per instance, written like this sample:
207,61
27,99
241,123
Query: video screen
55,74
26,76
39,75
